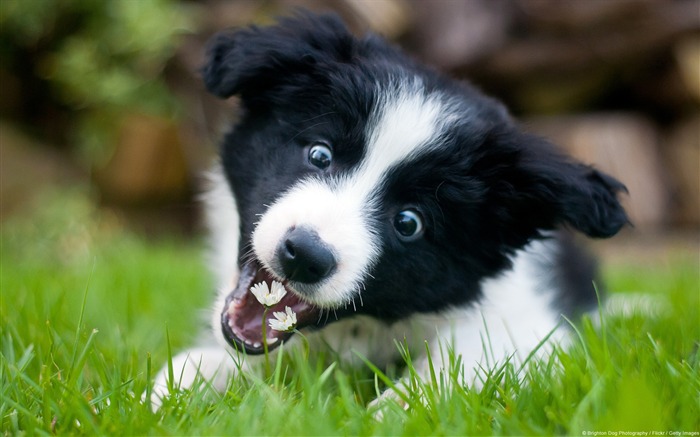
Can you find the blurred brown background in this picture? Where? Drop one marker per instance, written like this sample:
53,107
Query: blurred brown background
107,94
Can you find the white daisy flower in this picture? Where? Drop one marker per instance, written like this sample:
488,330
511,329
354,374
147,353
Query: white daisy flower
268,296
283,321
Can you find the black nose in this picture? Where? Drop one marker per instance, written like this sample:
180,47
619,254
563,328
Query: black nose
304,257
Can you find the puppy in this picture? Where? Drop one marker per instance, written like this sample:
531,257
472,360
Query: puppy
391,203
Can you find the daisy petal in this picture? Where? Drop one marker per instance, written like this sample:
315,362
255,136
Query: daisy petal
267,296
260,290
283,321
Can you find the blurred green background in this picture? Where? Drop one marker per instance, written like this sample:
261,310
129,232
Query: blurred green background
106,96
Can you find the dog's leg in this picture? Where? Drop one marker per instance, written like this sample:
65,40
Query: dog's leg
478,344
213,364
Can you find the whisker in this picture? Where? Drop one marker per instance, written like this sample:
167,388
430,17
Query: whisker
318,116
248,256
304,130
353,305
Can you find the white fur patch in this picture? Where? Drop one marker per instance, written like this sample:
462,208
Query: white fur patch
224,223
338,220
406,123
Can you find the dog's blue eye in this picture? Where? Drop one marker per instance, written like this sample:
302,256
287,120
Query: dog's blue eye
408,224
320,155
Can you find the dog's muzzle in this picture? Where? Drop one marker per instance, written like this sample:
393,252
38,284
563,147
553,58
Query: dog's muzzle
242,315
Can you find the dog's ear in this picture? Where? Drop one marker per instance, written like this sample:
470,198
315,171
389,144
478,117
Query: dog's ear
252,60
544,189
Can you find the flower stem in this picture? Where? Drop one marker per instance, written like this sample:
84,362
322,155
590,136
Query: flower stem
264,342
305,341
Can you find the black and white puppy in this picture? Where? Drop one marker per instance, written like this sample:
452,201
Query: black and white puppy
392,202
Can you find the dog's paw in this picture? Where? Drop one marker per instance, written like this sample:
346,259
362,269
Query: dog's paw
214,365
386,400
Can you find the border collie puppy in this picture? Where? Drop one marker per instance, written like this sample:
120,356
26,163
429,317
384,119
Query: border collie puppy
390,203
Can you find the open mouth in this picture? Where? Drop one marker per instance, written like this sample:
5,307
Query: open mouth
242,316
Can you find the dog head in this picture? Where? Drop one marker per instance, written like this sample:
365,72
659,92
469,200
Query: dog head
369,184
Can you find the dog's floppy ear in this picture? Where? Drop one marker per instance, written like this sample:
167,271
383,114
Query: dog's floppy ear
251,60
544,189
582,196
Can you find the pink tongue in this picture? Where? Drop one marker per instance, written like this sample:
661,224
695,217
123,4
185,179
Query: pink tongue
246,320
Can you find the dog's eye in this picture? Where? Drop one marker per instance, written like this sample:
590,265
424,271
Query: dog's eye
408,224
320,155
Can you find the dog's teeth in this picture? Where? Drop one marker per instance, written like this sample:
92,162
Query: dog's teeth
257,344
272,340
234,305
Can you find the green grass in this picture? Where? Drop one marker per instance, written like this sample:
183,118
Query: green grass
86,307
